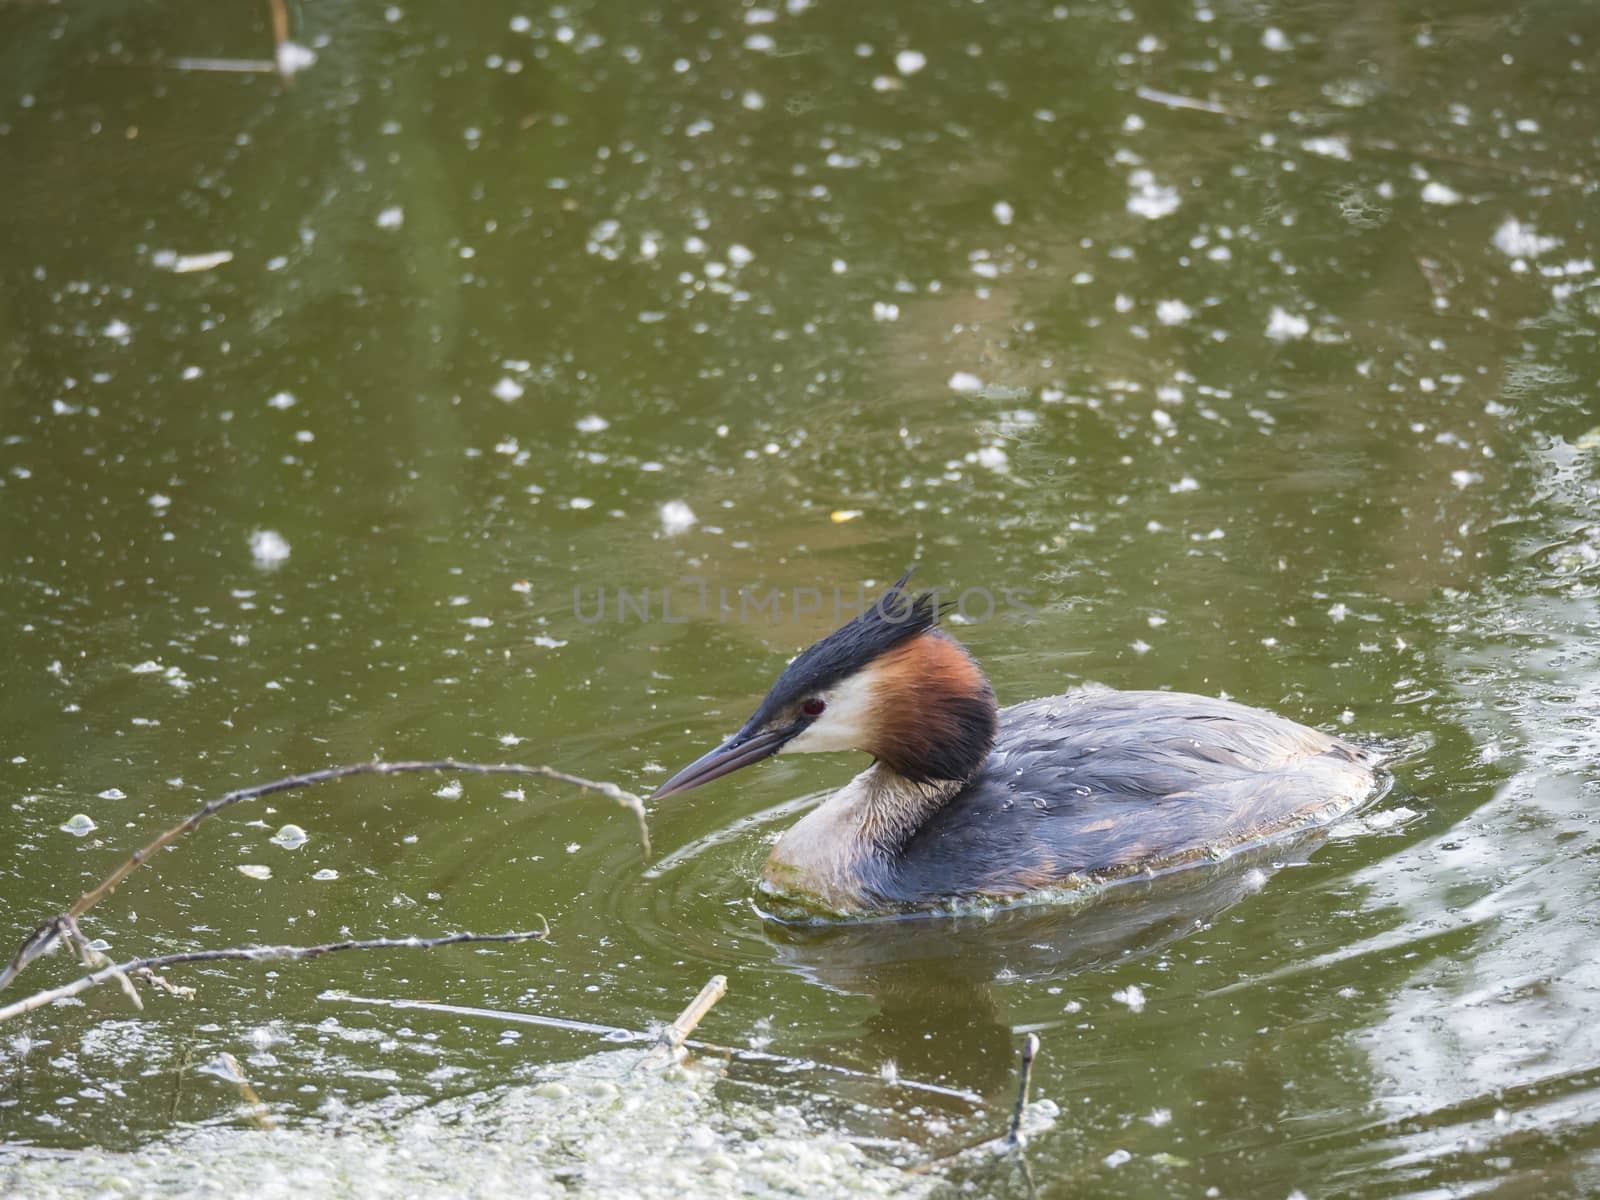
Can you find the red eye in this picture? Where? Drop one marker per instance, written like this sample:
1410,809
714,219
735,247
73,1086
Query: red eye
813,707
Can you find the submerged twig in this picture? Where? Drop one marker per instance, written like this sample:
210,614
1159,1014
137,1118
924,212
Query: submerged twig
665,1051
228,1069
45,936
1029,1049
1014,1141
253,954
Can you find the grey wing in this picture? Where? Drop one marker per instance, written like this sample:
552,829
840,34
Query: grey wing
1100,782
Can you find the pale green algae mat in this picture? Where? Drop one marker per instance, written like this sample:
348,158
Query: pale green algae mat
594,1127
1240,349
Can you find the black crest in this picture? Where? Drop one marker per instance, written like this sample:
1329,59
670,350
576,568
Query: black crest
894,617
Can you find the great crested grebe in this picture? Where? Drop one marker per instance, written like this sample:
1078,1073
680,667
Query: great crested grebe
967,800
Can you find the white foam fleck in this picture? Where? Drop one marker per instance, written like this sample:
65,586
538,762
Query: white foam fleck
268,547
1116,1158
325,874
392,217
677,517
508,389
1286,326
884,311
1149,199
449,791
158,501
593,423
1328,146
112,793
1173,312
294,58
1274,38
1434,192
994,458
909,62
1521,241
186,264
255,870
1003,212
963,381
281,401
1132,996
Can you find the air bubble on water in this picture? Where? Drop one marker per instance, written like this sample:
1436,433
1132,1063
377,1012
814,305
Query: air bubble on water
118,329
280,401
255,870
507,389
325,874
1117,1157
593,423
290,837
1434,192
449,791
963,381
113,794
80,825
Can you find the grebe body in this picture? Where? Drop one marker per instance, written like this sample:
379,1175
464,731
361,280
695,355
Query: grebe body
965,800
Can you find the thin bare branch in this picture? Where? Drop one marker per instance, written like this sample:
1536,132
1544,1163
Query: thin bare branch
254,954
616,1033
45,936
667,1046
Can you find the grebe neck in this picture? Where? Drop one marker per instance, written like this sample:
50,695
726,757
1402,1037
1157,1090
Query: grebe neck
839,852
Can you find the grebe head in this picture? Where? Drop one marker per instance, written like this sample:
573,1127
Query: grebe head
889,683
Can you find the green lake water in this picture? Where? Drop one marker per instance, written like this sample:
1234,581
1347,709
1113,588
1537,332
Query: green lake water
1233,348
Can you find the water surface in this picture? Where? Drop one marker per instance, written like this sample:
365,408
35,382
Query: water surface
1237,349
